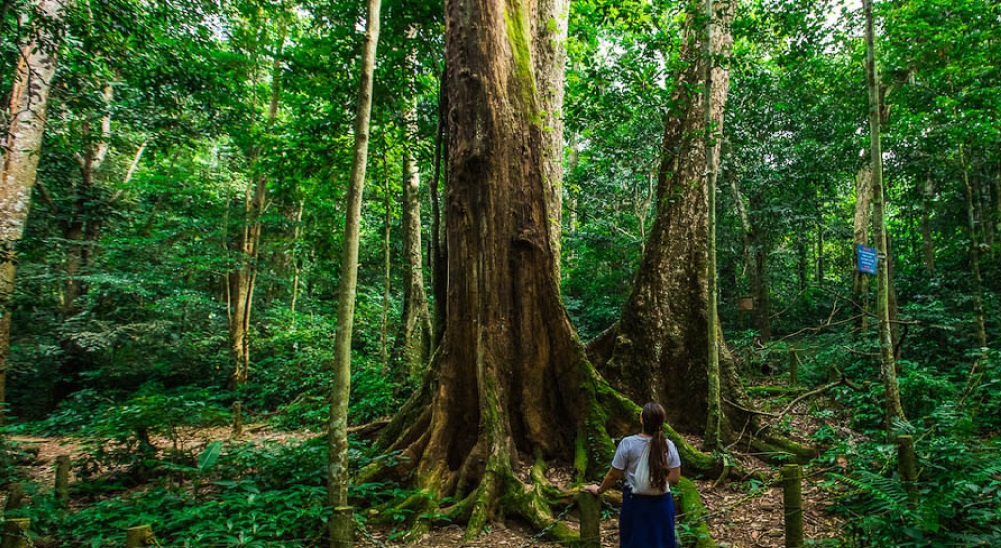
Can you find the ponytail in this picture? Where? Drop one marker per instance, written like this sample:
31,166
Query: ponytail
653,425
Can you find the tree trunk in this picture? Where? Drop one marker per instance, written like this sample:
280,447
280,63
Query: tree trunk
341,524
21,148
713,432
387,261
241,281
927,242
863,215
296,259
661,349
438,250
894,410
414,342
82,230
819,227
549,56
820,253
510,382
755,264
971,224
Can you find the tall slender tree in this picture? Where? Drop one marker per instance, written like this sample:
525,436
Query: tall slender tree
241,282
894,409
714,416
341,524
21,149
414,341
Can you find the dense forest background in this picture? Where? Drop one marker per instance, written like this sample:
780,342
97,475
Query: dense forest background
179,267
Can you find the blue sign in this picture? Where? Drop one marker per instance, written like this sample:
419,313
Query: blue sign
866,259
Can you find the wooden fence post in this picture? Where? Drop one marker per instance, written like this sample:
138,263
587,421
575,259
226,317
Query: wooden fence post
138,536
15,533
907,464
793,367
590,519
237,419
342,531
63,477
15,497
792,498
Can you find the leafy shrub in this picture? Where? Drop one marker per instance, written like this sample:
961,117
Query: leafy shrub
955,503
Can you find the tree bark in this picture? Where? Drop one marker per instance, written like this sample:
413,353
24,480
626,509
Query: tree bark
863,216
21,149
549,57
661,349
974,249
242,280
714,420
341,523
510,381
927,241
894,409
387,260
438,250
296,259
414,342
82,228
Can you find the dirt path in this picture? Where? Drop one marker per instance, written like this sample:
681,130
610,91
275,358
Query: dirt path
741,515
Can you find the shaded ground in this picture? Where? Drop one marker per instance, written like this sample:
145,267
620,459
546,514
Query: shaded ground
745,514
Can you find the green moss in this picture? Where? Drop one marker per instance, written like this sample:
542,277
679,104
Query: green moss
692,514
517,35
779,450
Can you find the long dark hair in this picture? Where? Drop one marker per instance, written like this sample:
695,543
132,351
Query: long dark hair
653,424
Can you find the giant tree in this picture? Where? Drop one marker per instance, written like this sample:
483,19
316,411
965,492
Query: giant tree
510,383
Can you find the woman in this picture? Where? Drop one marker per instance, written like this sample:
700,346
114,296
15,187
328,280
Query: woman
646,520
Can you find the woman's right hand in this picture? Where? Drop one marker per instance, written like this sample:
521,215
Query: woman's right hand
593,489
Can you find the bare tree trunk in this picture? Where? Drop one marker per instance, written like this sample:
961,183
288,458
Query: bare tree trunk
927,241
241,282
894,409
341,524
863,216
510,378
756,258
978,281
661,351
21,150
387,261
414,341
296,260
438,250
548,51
714,420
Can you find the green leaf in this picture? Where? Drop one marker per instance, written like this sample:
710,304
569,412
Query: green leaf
209,456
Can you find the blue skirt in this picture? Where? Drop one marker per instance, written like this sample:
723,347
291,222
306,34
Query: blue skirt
646,522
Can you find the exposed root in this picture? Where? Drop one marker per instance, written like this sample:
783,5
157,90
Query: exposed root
692,512
531,506
780,450
623,408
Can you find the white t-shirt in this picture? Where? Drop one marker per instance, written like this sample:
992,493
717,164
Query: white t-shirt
627,456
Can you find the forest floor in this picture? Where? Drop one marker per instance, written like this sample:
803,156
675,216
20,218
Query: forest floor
742,514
